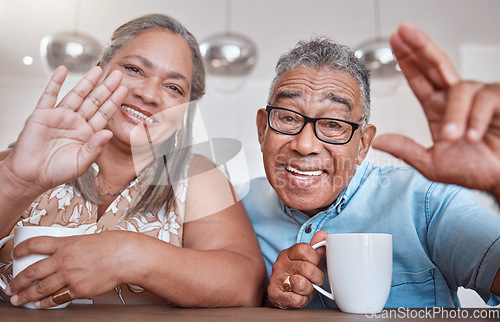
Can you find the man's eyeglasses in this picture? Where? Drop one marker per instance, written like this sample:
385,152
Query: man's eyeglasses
329,130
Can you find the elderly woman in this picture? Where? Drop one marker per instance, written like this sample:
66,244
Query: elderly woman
163,226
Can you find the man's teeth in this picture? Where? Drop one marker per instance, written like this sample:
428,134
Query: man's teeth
138,114
304,173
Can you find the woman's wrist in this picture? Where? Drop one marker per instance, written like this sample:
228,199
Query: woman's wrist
133,260
14,188
15,197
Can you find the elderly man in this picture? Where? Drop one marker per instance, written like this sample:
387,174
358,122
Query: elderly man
314,136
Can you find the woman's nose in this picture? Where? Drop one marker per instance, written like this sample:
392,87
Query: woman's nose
148,91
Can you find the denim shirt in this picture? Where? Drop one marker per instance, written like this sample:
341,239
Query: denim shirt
442,238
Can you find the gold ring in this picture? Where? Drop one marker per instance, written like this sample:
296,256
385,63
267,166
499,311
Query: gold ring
62,296
286,284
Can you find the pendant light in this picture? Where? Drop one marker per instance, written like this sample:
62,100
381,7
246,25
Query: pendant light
376,54
75,50
229,54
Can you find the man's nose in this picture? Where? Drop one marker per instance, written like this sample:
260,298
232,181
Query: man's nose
306,141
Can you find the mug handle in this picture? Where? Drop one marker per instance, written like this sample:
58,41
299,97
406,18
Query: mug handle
3,242
318,288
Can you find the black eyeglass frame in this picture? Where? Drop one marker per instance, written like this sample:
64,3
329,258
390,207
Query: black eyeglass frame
313,120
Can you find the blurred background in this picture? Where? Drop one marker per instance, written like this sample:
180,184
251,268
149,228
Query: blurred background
467,30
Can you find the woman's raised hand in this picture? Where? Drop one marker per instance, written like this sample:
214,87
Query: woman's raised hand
60,142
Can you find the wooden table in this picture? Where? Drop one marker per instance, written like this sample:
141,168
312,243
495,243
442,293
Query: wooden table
79,312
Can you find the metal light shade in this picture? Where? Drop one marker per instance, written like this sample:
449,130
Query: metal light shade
378,57
76,51
229,54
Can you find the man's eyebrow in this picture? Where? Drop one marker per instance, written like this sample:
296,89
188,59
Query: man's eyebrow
287,94
335,98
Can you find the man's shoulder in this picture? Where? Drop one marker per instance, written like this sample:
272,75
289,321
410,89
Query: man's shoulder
255,185
396,173
257,194
389,169
403,179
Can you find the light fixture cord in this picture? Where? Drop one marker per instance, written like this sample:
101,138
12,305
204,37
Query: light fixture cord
228,16
376,11
78,7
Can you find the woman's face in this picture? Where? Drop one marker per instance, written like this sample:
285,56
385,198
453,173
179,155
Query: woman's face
157,67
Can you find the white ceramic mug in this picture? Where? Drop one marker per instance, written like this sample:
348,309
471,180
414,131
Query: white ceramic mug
359,271
23,233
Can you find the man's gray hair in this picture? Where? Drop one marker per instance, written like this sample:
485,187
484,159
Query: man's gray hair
321,52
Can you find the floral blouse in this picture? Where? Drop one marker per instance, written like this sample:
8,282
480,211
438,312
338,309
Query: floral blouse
64,206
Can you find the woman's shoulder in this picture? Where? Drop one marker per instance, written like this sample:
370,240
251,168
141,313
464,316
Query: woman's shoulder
199,164
203,173
208,186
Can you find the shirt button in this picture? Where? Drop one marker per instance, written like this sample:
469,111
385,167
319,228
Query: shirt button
308,229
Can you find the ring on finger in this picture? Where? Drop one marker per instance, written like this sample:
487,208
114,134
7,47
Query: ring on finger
286,284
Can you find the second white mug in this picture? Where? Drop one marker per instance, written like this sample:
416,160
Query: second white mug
359,270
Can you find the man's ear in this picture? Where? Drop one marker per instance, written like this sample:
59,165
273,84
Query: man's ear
367,136
261,125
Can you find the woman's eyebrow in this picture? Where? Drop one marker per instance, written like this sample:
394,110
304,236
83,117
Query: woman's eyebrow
146,62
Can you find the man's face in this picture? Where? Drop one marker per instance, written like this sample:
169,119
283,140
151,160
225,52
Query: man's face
307,173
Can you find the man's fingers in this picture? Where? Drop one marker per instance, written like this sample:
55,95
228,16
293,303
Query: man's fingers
304,253
301,259
458,109
284,299
318,237
49,96
433,61
290,283
74,99
486,105
300,285
411,68
470,110
408,150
